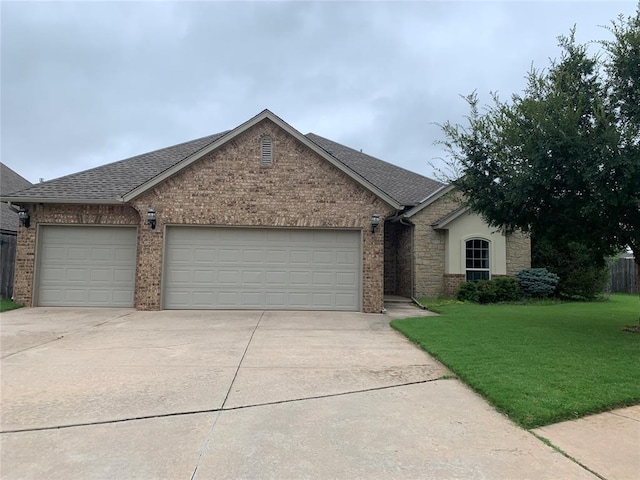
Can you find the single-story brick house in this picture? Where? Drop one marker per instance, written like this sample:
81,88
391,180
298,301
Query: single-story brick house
258,217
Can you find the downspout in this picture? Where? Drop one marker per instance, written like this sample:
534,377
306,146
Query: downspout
405,222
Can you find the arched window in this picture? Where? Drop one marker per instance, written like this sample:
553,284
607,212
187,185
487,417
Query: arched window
477,259
266,152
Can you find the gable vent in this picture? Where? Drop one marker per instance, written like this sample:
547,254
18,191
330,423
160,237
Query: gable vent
266,152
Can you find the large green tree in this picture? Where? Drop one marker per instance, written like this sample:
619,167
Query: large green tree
562,159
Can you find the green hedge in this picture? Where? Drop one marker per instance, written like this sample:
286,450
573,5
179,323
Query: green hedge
499,289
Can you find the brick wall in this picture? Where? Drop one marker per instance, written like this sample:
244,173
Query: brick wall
64,215
451,283
229,187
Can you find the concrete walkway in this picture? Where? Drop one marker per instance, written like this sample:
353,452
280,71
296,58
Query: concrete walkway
607,443
114,393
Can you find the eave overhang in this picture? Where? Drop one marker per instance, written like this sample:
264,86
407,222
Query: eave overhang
448,219
429,200
84,201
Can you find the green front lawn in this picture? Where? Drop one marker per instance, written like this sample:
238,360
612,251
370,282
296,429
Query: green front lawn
6,304
539,363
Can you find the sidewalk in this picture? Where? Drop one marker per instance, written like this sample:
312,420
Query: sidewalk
608,444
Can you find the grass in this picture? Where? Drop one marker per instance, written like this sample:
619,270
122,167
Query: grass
539,363
6,304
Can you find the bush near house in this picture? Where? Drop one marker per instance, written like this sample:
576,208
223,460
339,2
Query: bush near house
499,289
537,282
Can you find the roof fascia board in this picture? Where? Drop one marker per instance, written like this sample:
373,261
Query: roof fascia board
429,200
266,114
450,218
92,201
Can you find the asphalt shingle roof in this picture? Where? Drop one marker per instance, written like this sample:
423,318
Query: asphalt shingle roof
404,186
108,182
10,182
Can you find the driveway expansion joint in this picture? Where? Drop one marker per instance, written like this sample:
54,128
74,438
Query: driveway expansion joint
548,442
218,410
205,446
617,414
32,347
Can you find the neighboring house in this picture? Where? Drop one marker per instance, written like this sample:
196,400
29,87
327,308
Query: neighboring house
10,182
258,217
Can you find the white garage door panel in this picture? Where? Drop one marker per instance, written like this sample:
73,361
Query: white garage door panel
262,268
86,266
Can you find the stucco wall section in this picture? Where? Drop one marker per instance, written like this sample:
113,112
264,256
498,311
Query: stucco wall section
466,227
229,187
518,252
62,215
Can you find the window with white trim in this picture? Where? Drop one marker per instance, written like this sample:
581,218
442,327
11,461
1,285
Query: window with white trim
266,152
477,259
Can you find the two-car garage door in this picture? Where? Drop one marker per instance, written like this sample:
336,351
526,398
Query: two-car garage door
234,268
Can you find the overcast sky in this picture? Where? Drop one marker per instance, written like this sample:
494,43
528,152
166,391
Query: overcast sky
89,83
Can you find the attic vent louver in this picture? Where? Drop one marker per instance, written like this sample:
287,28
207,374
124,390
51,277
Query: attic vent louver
266,152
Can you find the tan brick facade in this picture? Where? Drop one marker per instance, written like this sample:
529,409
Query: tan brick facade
43,214
229,187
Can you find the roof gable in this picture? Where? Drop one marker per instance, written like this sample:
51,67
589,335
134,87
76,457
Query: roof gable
126,179
265,114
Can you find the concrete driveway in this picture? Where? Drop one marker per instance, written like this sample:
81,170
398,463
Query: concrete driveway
115,393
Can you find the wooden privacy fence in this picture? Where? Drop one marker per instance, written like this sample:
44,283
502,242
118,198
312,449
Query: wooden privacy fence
7,264
623,276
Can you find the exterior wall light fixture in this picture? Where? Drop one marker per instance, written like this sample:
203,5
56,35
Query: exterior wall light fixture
23,215
151,218
375,221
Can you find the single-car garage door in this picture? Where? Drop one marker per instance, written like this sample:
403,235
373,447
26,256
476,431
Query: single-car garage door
236,268
86,266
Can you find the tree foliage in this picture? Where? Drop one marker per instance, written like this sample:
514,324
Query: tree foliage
580,273
562,159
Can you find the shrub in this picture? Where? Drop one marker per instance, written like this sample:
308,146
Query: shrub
468,292
508,288
487,291
500,289
537,282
